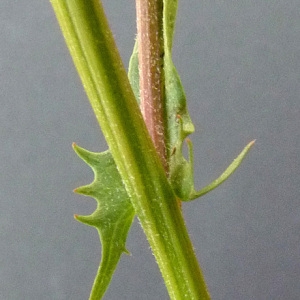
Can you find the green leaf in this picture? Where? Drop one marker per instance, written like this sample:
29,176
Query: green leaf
224,176
179,125
113,216
183,172
178,122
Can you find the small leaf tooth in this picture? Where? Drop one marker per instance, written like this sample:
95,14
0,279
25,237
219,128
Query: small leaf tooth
80,190
89,157
78,150
88,220
87,190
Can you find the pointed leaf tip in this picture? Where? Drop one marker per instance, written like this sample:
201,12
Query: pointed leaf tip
87,190
88,220
225,175
252,143
91,158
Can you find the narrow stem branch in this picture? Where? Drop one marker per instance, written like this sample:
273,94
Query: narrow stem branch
150,55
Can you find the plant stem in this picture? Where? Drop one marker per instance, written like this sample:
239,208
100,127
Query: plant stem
150,53
99,65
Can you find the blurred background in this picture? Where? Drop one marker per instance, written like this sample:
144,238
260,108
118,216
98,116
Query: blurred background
239,62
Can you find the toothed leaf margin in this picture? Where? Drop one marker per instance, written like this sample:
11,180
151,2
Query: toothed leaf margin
113,216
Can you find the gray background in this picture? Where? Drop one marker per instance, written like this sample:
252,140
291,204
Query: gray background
240,64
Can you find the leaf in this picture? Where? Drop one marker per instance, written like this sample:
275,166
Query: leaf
179,125
224,176
113,216
175,99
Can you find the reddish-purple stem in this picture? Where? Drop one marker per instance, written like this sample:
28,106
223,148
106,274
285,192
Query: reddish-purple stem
150,51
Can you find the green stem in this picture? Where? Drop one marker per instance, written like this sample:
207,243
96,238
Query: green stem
98,62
